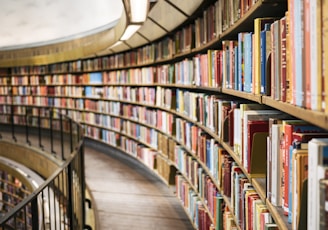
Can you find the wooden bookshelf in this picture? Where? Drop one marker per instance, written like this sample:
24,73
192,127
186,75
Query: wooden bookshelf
260,8
317,118
278,216
241,94
260,186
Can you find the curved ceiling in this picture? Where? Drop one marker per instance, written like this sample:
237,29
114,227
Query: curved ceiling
26,23
164,16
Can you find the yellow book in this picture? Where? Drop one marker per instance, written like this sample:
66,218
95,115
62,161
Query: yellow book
323,72
299,173
258,26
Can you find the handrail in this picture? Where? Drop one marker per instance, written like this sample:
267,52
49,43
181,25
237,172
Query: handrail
58,203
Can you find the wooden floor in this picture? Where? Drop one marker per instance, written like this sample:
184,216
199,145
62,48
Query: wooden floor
128,195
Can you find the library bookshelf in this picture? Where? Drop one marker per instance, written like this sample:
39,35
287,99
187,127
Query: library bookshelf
198,106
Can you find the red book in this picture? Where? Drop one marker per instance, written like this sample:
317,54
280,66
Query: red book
255,127
250,201
289,127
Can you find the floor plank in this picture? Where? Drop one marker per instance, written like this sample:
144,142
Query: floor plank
128,195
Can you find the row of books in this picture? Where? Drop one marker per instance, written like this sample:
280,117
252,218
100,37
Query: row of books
144,153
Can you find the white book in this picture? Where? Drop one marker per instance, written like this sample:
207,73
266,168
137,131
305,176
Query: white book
276,173
236,132
318,153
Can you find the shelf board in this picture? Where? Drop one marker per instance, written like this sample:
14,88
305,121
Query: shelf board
260,187
278,216
248,96
317,118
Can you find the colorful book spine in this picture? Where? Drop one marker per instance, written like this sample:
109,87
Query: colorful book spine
265,51
283,68
241,61
323,51
318,158
248,62
259,24
298,46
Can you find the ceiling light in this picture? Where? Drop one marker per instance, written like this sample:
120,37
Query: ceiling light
139,10
129,31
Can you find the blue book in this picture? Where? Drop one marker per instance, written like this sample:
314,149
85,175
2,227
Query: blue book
263,40
248,62
290,181
88,91
208,153
95,78
241,66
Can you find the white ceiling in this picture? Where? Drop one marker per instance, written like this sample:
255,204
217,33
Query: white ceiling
35,22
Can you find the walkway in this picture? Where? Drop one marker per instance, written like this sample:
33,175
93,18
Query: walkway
128,195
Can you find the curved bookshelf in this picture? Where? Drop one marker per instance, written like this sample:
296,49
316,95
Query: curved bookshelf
171,86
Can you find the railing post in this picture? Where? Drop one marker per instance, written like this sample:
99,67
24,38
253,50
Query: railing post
70,199
71,134
61,136
82,179
39,128
35,213
26,129
51,132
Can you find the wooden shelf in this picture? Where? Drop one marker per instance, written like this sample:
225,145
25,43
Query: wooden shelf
317,118
260,187
278,216
244,95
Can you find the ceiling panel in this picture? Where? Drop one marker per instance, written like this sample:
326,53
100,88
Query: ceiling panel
166,15
151,31
187,7
136,40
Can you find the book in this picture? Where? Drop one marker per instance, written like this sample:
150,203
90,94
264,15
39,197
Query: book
299,172
283,68
323,183
251,115
317,40
290,126
322,52
298,32
254,127
259,25
265,52
318,162
248,62
241,61
219,203
276,164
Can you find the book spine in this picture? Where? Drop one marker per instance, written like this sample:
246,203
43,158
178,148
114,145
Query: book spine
283,67
241,59
273,54
322,48
298,41
307,53
291,67
277,61
248,62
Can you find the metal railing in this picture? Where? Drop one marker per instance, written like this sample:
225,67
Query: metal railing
58,203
